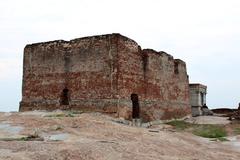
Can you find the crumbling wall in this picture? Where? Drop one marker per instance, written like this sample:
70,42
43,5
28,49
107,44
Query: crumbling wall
101,73
166,86
85,66
130,75
160,81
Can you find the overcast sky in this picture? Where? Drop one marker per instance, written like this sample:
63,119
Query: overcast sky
203,33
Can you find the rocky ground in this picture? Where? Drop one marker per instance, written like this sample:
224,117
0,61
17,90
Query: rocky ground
93,136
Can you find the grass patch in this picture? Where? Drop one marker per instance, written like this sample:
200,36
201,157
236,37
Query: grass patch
67,114
76,112
210,131
237,130
59,115
179,125
202,130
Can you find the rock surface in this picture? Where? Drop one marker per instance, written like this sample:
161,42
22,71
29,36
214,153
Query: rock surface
93,136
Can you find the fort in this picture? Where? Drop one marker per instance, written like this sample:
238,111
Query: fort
107,73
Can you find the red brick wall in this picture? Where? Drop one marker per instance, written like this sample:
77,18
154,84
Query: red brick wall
86,66
160,81
166,84
130,76
101,73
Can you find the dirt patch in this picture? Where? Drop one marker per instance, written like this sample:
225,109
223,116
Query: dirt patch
93,136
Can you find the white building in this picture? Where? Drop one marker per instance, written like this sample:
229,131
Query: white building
197,98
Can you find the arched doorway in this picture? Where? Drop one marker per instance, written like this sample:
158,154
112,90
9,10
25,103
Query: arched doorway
135,106
65,97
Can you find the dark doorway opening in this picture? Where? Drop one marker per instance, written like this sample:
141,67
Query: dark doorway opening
202,98
65,97
135,106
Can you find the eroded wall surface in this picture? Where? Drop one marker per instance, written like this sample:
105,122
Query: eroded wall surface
160,81
86,67
101,73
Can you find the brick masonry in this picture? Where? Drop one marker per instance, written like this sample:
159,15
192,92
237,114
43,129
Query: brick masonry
101,73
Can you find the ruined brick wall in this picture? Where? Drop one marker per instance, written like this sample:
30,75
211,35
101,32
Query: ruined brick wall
130,75
160,81
86,67
101,73
166,86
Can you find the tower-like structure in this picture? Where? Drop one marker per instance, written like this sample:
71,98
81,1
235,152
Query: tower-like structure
197,98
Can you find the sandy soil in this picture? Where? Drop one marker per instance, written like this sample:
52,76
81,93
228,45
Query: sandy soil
93,136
